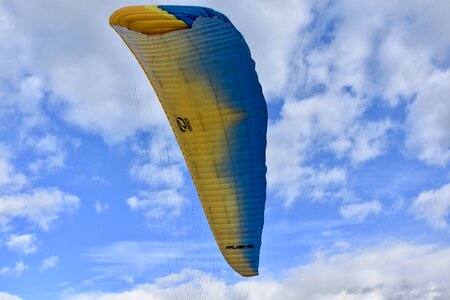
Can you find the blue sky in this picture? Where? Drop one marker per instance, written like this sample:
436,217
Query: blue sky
96,201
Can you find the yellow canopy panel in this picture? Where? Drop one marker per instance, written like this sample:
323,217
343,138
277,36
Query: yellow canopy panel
146,19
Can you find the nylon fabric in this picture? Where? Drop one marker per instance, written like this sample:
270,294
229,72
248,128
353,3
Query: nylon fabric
206,82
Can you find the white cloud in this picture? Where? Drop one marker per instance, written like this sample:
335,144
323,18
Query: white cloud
433,206
157,175
159,160
158,204
390,50
327,124
291,140
379,49
388,271
17,270
327,183
160,168
50,149
353,60
369,140
88,73
24,243
10,179
40,206
50,162
24,97
99,207
49,263
359,211
7,296
47,144
428,121
403,68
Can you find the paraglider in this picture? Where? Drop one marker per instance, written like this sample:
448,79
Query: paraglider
202,72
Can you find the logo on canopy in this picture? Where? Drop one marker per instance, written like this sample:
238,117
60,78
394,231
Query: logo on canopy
184,124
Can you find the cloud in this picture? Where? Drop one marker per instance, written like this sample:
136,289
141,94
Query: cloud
17,270
24,243
157,175
158,204
49,263
160,153
40,206
7,296
389,52
67,67
24,98
327,125
10,179
50,149
303,124
388,271
369,141
433,206
385,50
352,62
428,122
99,207
360,211
161,168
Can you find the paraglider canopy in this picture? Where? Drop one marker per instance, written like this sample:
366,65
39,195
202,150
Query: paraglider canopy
201,70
